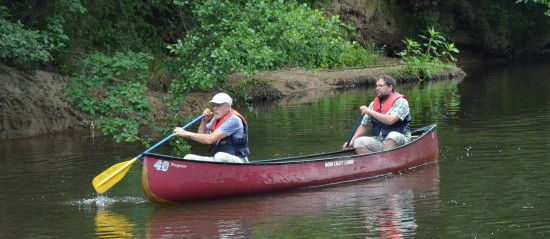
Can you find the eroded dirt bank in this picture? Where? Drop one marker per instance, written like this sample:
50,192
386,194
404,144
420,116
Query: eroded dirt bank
30,105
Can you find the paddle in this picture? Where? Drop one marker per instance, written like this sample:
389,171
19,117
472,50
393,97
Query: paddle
354,129
115,173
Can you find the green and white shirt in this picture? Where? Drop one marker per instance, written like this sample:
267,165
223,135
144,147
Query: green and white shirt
400,109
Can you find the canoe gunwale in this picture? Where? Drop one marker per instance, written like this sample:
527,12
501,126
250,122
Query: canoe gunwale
422,132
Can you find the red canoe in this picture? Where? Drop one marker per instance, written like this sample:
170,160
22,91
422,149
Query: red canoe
168,179
384,202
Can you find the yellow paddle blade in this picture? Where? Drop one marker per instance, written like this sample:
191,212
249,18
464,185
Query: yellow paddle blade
111,176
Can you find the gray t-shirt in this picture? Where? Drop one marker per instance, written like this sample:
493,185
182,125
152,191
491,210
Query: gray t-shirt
233,126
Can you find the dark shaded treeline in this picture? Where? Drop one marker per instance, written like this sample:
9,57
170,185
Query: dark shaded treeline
501,29
492,27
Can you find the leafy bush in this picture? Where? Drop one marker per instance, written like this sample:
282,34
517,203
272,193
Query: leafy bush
20,46
542,2
25,48
124,25
112,88
250,36
431,56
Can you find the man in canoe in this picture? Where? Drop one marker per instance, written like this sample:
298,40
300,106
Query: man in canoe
226,132
387,117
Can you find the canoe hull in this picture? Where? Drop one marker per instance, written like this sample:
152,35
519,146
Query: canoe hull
167,179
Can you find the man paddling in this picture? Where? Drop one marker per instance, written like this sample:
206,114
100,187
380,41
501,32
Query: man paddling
387,117
226,132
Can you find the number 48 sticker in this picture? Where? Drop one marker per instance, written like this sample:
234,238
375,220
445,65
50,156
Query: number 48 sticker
162,165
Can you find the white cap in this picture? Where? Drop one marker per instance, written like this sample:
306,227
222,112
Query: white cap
221,98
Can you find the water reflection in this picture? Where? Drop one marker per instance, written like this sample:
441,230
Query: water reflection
322,122
379,207
111,225
493,132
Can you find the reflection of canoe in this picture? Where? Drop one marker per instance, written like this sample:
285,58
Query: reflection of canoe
168,179
370,200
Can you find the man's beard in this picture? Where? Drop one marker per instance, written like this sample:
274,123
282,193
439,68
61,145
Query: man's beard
383,97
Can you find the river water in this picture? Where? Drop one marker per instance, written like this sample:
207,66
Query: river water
491,179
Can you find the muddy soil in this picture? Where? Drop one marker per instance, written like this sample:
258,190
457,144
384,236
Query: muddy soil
30,103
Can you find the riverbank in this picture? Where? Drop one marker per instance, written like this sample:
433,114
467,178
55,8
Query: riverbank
30,104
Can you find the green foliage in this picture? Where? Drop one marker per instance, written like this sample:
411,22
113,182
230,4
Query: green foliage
359,56
316,3
431,56
542,2
20,46
112,88
25,48
124,25
257,35
70,29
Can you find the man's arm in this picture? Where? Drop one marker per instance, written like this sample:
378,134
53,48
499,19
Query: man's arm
398,111
202,136
386,119
212,138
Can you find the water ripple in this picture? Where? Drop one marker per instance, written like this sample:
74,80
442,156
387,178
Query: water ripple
103,201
